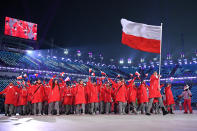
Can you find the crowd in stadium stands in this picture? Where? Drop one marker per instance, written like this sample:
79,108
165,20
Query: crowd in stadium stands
104,92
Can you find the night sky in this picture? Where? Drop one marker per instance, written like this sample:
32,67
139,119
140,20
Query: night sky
95,24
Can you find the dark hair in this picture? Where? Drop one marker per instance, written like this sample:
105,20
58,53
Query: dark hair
53,84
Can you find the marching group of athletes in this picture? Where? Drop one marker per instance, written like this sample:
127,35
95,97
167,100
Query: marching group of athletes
95,96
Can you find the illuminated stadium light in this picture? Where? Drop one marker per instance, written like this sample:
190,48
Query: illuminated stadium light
29,52
169,56
78,53
194,60
69,60
142,60
66,51
111,60
90,54
101,57
121,61
182,55
39,54
155,59
129,61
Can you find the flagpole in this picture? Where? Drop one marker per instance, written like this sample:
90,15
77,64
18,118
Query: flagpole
160,54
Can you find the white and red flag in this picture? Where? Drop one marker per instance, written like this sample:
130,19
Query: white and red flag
93,74
141,36
90,70
146,74
36,75
67,79
103,73
131,75
19,77
137,73
25,75
62,74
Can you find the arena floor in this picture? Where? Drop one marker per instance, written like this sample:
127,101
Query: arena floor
177,122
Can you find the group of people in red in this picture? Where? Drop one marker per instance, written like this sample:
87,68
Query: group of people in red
20,28
95,96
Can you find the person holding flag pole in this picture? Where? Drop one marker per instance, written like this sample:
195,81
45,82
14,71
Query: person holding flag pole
145,38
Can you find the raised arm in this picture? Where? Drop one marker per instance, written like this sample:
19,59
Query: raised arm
51,80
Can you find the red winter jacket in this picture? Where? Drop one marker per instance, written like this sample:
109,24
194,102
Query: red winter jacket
108,94
79,92
37,93
143,93
11,94
93,92
169,96
68,96
154,90
29,92
22,97
101,90
120,91
132,92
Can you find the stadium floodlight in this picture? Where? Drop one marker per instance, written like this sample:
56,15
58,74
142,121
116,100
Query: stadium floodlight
142,60
111,60
90,54
29,52
66,51
121,61
129,61
182,55
39,54
155,59
78,53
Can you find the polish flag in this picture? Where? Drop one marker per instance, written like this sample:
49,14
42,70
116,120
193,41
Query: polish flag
118,75
67,79
36,75
93,74
146,74
141,36
103,73
62,74
19,77
137,73
131,75
25,75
